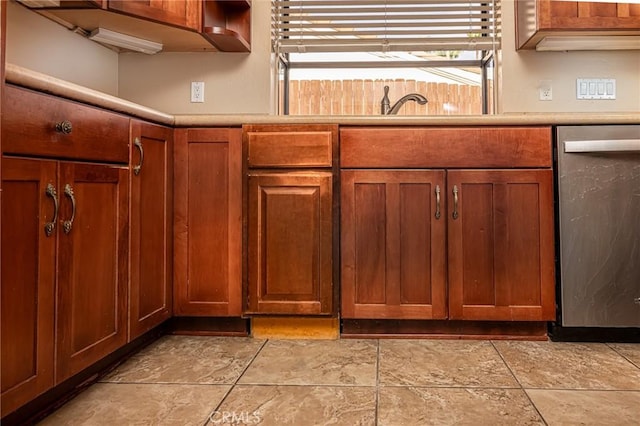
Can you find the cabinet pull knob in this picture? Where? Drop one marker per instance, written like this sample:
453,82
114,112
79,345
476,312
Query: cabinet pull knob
138,144
49,227
455,202
637,300
68,224
64,127
437,201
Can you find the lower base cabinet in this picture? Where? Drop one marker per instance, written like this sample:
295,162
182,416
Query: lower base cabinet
64,271
501,245
497,225
28,284
208,222
393,244
150,291
290,243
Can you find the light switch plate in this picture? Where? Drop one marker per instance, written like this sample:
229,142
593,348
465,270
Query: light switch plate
596,88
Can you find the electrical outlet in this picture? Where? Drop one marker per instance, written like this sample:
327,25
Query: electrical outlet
545,92
197,91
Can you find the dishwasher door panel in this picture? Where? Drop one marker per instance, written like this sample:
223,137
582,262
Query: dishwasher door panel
599,206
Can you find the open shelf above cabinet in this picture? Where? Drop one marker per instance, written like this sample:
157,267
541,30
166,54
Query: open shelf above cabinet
227,25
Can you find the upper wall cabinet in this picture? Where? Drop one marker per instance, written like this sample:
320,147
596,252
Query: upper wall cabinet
577,25
179,25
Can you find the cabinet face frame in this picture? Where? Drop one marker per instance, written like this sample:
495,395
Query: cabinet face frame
151,224
395,244
275,239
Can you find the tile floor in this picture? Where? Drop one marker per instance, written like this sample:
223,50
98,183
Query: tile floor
187,380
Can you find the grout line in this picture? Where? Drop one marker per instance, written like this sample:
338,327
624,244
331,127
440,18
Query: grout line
377,399
518,381
233,385
622,355
506,364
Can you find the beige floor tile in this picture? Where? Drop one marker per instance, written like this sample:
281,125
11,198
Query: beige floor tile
569,365
140,404
442,363
188,359
631,351
439,406
298,405
568,407
314,362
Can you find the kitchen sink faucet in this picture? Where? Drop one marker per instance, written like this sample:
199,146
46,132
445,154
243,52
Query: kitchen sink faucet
387,109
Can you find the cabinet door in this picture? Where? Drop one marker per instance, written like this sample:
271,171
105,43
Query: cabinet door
208,222
501,249
290,243
393,244
92,265
151,223
181,13
28,279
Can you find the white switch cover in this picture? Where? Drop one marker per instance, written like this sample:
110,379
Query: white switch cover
197,91
596,88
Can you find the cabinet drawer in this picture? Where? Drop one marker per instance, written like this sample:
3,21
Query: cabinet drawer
312,148
468,147
29,127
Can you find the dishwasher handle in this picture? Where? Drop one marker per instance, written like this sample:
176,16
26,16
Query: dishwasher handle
606,145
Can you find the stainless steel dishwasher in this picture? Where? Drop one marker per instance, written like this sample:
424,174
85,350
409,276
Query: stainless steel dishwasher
599,225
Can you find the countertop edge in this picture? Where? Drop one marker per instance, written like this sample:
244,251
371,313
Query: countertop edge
37,81
34,80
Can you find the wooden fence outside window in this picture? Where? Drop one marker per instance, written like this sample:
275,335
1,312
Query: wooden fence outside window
362,97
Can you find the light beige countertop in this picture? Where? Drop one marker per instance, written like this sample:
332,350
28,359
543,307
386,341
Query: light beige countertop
44,83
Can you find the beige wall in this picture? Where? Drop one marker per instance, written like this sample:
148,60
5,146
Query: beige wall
522,72
242,83
39,44
234,82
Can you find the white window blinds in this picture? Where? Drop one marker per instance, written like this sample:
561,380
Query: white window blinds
384,25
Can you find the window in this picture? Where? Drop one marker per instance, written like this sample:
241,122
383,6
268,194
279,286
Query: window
336,56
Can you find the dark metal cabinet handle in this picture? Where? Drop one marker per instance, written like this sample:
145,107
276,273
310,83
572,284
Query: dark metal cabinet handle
138,144
455,202
49,227
68,224
437,201
64,127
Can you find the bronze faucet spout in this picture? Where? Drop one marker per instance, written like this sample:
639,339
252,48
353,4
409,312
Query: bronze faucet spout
387,109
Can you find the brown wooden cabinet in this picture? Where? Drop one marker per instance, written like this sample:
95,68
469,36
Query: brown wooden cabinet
500,241
92,265
290,234
28,279
208,222
180,25
65,233
151,250
181,13
290,243
537,19
493,238
393,244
